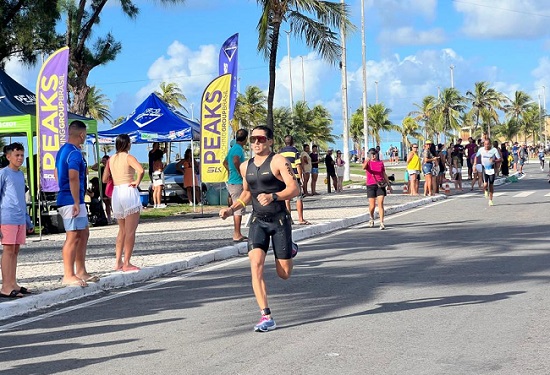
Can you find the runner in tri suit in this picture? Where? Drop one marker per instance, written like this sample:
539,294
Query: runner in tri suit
269,181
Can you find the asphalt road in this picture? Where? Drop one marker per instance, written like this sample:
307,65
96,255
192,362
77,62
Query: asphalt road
456,287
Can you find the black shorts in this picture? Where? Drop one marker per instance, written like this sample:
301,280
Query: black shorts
275,227
374,191
489,178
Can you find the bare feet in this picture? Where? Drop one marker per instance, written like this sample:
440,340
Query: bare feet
73,281
130,267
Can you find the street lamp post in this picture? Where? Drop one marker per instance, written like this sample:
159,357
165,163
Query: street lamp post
303,81
345,102
289,71
364,53
544,109
452,67
376,91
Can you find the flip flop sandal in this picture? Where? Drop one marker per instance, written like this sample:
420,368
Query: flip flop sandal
13,294
24,290
242,239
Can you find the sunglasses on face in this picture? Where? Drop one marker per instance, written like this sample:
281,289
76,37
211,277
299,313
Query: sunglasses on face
415,146
259,138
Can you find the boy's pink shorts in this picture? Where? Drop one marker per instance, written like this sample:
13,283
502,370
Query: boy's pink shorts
13,234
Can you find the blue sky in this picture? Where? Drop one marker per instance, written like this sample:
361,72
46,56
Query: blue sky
411,45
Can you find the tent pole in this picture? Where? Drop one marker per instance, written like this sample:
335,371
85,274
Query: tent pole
193,171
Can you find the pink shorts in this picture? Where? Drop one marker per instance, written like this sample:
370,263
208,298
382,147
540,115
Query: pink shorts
13,234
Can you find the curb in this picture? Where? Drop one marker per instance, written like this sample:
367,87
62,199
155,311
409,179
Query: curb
11,309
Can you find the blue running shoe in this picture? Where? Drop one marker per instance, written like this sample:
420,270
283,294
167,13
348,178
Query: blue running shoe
294,249
265,324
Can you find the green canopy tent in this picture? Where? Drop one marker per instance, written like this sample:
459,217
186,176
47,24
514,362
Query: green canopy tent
18,118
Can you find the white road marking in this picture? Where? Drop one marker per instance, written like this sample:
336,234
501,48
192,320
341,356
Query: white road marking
524,194
547,195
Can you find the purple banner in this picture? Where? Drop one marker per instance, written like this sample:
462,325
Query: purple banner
51,115
228,64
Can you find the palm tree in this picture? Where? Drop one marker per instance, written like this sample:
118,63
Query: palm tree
171,94
485,101
379,120
81,17
410,128
320,129
425,114
448,109
282,120
531,123
98,105
509,129
311,20
517,107
356,128
250,108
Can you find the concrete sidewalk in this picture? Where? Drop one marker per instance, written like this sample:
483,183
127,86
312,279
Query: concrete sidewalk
173,244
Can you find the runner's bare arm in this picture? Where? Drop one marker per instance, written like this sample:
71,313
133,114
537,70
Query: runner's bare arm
282,169
245,197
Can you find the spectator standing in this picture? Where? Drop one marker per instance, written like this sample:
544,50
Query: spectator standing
515,155
155,155
127,173
428,160
13,212
340,168
331,171
268,182
523,156
106,200
505,164
232,162
471,150
377,181
306,168
158,183
70,171
413,169
292,154
190,179
314,168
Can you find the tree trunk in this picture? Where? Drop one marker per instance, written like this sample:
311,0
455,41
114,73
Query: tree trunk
80,91
272,66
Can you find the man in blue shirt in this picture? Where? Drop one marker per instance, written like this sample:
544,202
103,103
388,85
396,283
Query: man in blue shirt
232,163
70,172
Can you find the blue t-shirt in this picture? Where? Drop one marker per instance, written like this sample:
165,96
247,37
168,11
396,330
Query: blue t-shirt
234,176
13,208
69,157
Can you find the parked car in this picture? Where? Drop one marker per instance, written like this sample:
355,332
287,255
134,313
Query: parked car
173,185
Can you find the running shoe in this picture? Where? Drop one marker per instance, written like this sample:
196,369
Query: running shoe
486,193
382,226
294,249
491,203
371,223
265,324
162,205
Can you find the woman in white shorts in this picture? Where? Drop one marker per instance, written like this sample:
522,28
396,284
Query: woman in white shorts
125,200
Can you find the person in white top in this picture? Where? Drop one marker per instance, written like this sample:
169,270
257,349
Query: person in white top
489,156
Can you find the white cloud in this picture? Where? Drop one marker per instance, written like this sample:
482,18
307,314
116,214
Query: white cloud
505,19
410,36
23,74
191,70
314,71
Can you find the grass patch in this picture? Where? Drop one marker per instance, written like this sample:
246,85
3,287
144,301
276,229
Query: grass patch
174,209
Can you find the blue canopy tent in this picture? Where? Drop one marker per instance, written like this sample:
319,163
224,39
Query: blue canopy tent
154,121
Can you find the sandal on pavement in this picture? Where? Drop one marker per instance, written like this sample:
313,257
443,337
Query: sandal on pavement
242,239
305,222
13,294
24,290
92,279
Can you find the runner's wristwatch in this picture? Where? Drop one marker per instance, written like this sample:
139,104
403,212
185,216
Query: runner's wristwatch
274,197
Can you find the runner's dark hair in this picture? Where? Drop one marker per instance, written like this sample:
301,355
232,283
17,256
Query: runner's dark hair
268,131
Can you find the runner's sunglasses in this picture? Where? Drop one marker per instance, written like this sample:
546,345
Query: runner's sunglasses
259,138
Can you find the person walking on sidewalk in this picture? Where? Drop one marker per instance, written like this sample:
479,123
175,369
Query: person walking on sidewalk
70,173
232,162
489,157
268,182
293,156
377,181
340,169
13,218
306,168
127,173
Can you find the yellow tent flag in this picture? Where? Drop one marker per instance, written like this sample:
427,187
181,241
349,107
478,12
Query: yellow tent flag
215,126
